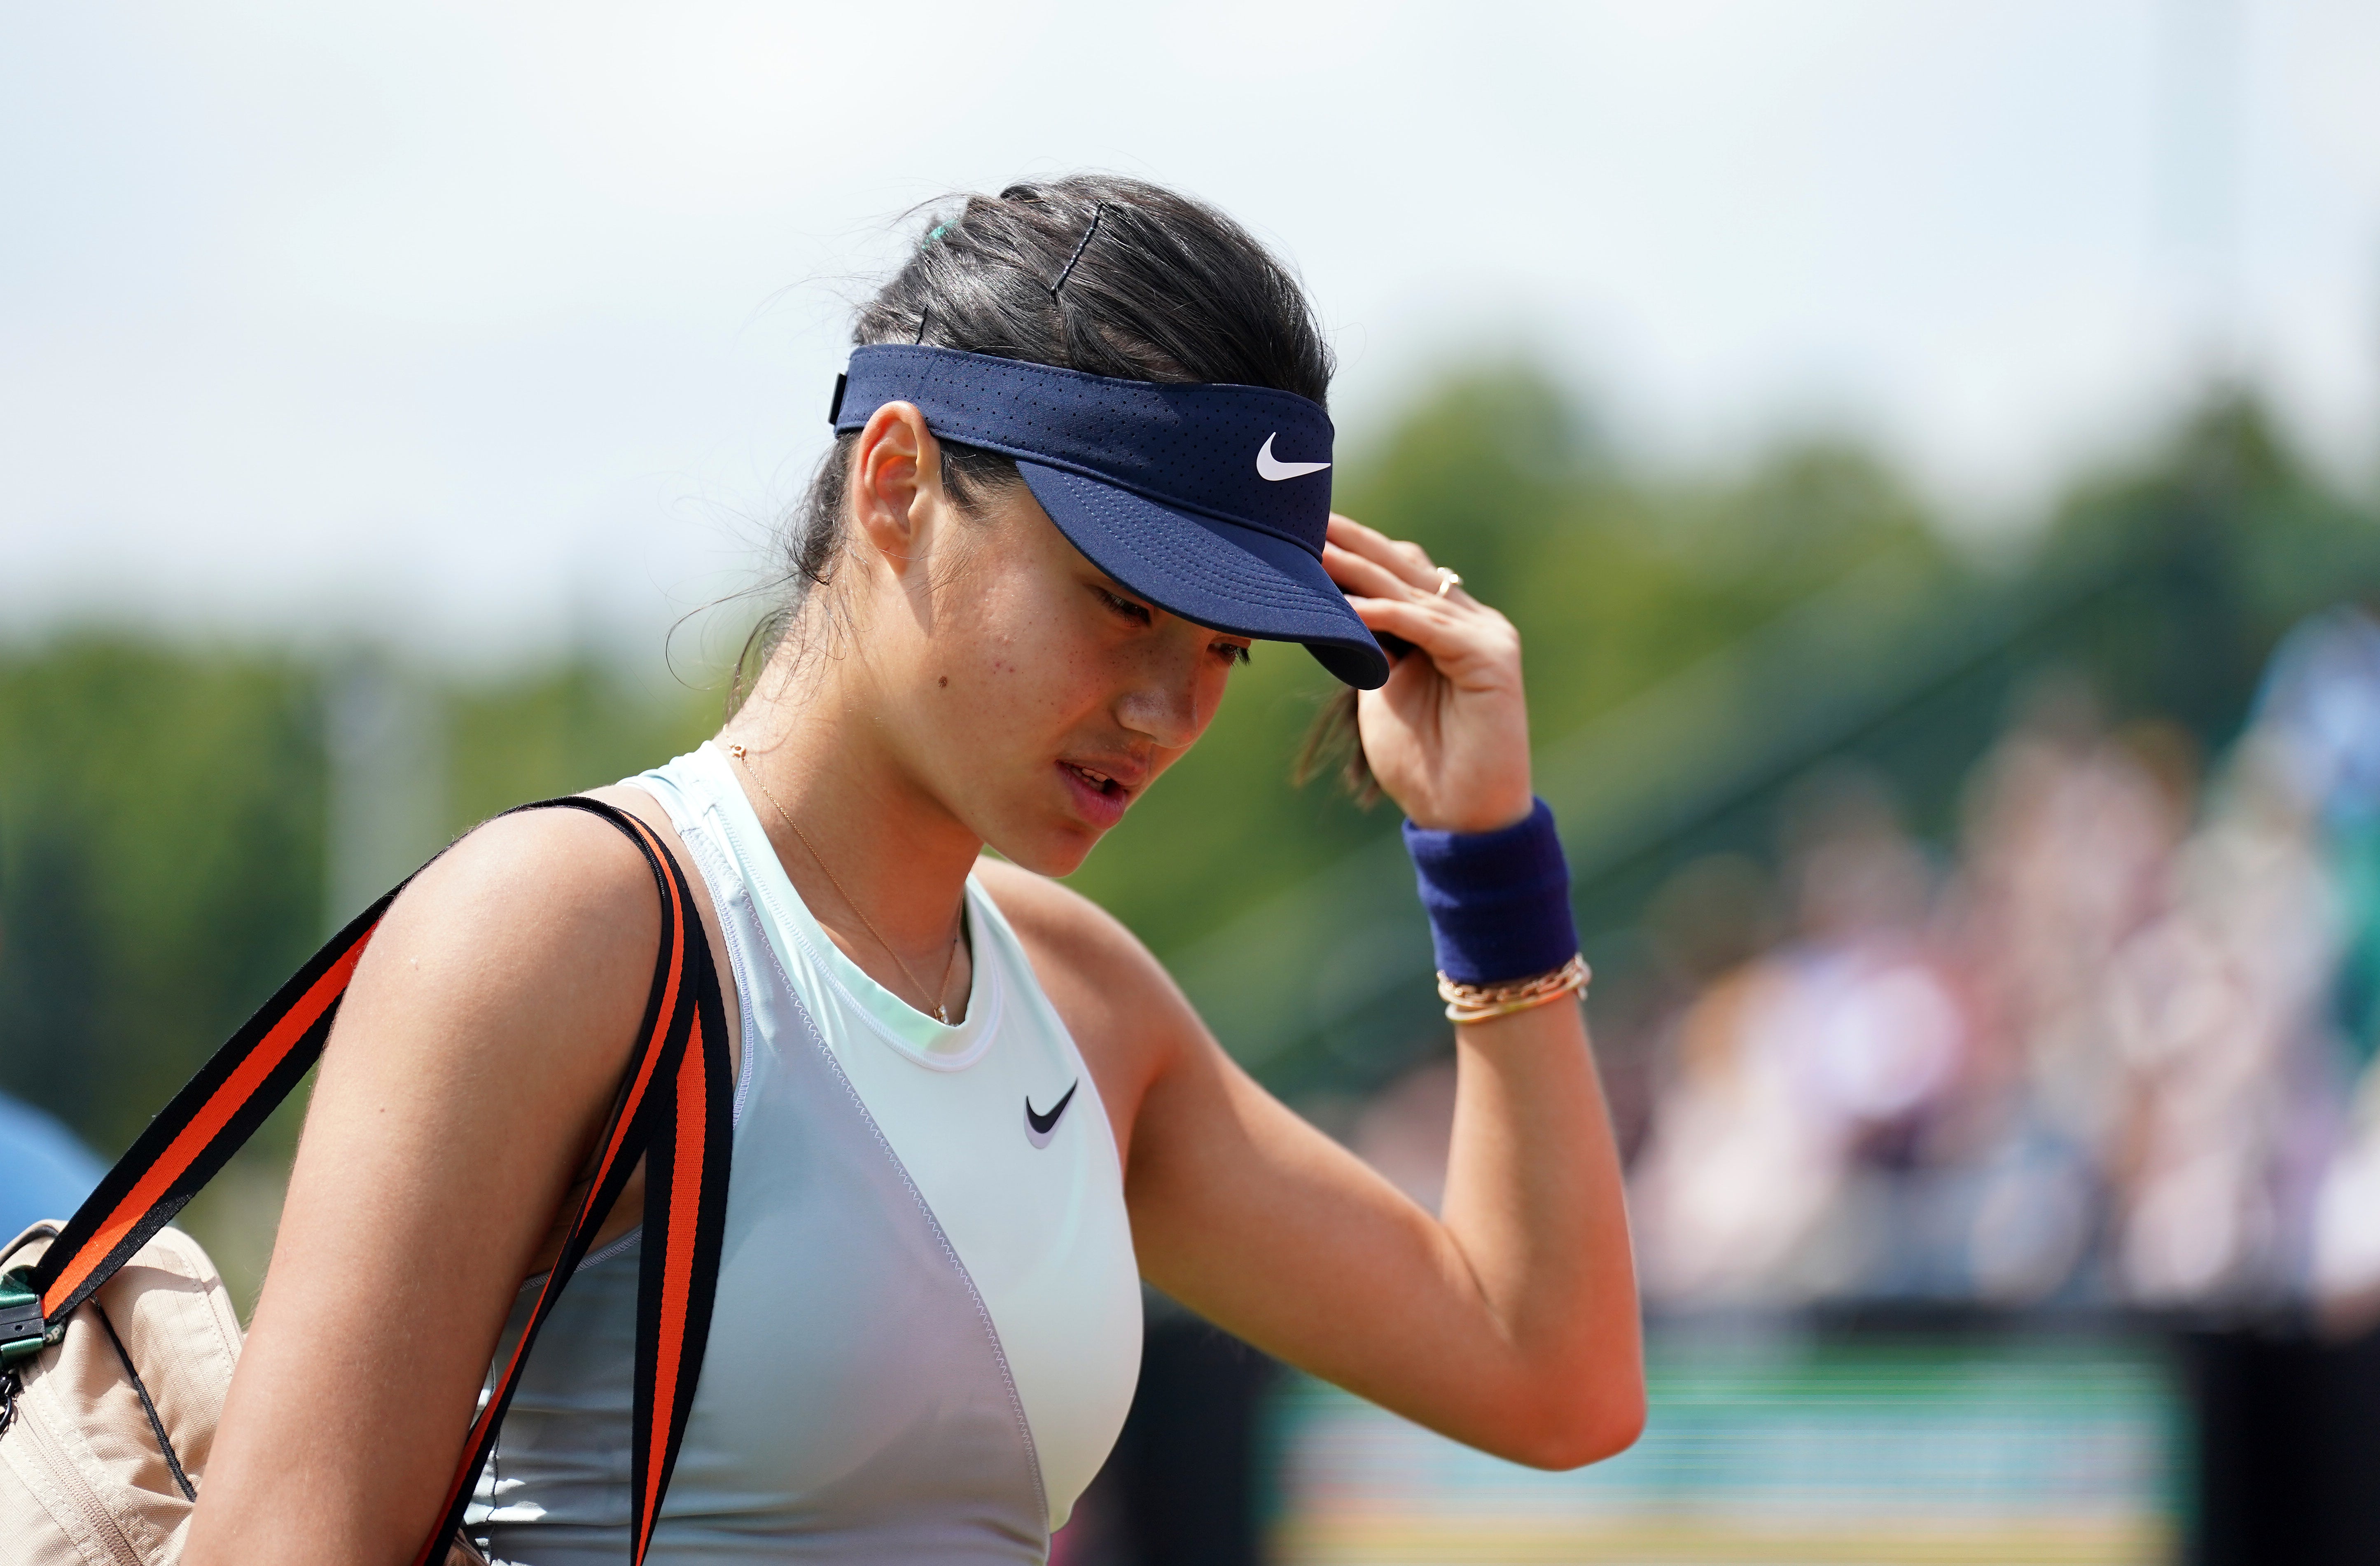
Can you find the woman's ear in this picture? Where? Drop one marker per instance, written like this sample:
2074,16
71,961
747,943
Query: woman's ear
897,479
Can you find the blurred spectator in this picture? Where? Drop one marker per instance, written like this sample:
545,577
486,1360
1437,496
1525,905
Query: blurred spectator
2109,1056
2347,1223
1797,1071
2218,1016
2320,709
45,1171
2066,854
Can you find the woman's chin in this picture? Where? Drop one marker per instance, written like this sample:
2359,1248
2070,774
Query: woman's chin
1046,846
1060,853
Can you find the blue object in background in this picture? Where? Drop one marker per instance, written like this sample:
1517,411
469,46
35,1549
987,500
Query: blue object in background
45,1171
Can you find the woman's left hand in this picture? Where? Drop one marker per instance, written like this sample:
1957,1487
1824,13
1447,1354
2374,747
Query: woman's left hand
1448,736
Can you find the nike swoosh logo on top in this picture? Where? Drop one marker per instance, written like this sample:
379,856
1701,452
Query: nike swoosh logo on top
1273,472
1040,1128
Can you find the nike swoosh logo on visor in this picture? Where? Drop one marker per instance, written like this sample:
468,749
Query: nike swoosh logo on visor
1040,1128
1273,472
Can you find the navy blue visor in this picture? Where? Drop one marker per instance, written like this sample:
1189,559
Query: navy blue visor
1208,501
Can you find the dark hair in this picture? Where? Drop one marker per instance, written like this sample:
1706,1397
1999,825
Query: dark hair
1094,272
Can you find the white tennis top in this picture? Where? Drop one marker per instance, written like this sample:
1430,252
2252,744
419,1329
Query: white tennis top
927,1324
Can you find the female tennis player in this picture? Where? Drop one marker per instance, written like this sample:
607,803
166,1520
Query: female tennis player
1081,465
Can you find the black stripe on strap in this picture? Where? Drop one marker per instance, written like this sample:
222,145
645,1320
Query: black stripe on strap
685,1199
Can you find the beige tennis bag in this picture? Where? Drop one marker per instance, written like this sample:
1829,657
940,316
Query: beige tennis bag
118,1338
100,1434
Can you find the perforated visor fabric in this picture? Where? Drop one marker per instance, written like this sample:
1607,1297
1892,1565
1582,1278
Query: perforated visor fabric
1234,579
1209,501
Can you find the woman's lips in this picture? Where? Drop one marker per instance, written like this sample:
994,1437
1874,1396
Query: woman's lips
1098,799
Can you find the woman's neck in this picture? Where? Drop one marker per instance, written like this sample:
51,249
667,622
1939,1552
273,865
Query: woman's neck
878,859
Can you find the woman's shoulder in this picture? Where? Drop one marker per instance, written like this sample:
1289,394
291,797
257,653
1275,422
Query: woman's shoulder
534,932
1062,928
563,864
1112,993
540,896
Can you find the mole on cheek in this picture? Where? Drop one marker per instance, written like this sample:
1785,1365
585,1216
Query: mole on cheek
943,681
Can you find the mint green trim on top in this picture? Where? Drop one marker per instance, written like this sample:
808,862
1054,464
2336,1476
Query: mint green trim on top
924,1038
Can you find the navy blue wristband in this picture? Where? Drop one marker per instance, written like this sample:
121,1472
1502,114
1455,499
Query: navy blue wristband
1499,901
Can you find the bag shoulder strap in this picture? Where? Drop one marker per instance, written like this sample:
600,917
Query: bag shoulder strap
674,1111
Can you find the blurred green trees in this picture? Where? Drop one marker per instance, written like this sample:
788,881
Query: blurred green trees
1694,644
162,842
161,856
163,862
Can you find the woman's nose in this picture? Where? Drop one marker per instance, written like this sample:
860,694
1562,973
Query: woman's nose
1167,714
1165,702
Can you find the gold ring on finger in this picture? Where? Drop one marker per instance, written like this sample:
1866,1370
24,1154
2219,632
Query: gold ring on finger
1447,582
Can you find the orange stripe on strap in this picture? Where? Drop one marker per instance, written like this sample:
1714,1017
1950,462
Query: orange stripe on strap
678,1269
208,1123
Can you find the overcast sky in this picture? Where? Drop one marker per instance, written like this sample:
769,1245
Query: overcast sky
482,326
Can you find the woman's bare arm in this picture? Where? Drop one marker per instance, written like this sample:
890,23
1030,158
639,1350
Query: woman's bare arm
1510,1319
473,1062
1509,1323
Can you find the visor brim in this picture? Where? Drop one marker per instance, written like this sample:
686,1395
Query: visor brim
1242,581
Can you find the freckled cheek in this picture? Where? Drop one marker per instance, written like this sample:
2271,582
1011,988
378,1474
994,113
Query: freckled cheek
1023,689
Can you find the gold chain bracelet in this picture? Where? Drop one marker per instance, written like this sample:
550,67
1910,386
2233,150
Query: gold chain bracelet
1478,1003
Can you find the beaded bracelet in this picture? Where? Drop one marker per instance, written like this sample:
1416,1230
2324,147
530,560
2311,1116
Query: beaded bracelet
1479,1003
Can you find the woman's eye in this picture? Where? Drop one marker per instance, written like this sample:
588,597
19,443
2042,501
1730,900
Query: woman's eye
1136,614
1232,651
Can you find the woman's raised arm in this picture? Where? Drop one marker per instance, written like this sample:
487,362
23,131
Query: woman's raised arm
1508,1322
1510,1319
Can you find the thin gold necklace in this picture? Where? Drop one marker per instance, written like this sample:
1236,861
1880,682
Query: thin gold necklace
942,1014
